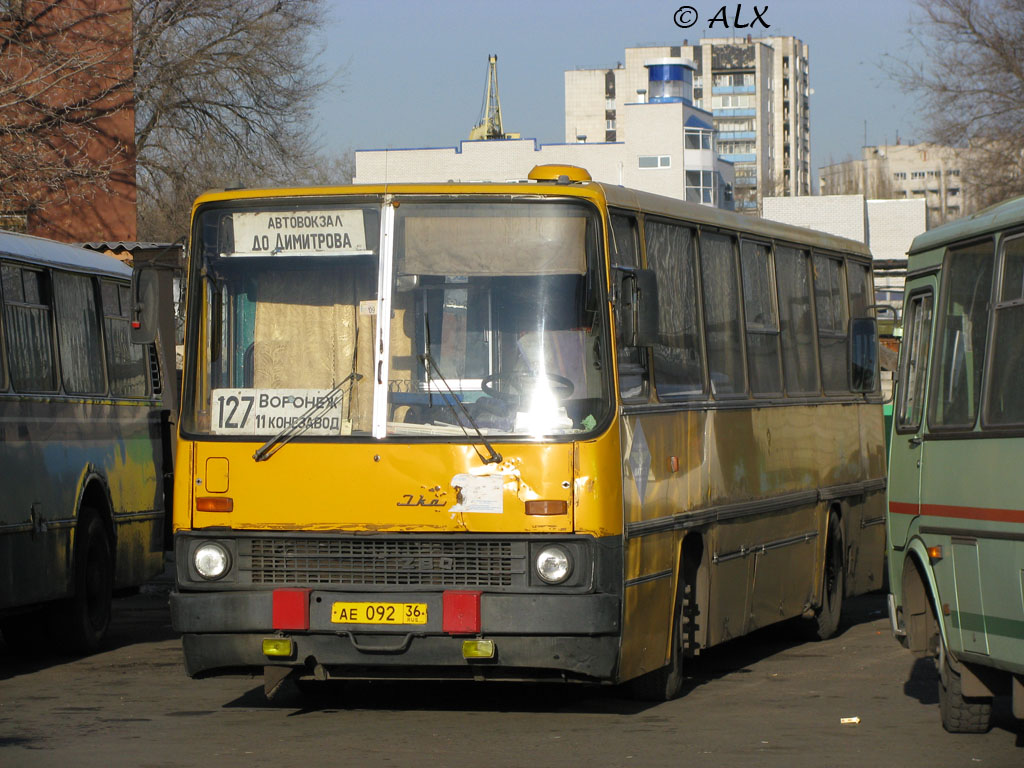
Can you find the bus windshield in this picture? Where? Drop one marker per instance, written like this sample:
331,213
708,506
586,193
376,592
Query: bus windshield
492,320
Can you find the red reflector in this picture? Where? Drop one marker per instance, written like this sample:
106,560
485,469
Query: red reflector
461,615
136,324
291,608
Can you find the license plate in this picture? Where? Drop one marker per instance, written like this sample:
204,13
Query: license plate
379,613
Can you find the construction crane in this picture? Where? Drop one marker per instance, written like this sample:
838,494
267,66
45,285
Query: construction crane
489,126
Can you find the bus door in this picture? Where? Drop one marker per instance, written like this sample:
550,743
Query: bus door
649,566
906,456
957,475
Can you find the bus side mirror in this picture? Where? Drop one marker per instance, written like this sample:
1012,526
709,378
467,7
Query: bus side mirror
863,354
640,308
144,314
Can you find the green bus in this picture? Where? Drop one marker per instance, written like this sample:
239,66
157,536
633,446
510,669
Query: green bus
84,444
956,495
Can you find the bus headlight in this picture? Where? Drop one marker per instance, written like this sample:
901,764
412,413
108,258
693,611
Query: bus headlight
553,564
211,560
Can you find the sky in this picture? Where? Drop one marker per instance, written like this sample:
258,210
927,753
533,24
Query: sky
412,74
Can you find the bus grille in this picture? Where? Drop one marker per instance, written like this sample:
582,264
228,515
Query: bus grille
385,562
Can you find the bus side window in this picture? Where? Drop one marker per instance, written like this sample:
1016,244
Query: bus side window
78,334
1004,400
632,361
967,292
29,329
126,362
720,281
917,325
762,318
679,357
833,317
859,282
793,280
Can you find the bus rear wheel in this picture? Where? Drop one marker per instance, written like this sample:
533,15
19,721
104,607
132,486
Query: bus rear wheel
85,618
959,713
825,622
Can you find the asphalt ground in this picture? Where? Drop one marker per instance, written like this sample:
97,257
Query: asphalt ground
769,699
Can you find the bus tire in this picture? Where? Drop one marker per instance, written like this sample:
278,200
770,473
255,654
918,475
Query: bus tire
959,713
666,683
826,619
86,616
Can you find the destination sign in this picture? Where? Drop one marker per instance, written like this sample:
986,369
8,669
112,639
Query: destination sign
267,411
299,233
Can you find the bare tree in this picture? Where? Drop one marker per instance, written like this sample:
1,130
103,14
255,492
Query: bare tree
65,77
224,96
223,93
164,216
970,81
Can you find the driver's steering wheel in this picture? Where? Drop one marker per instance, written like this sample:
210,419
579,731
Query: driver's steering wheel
511,386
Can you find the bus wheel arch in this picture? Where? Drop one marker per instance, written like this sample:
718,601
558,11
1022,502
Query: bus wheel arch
825,621
666,683
95,495
920,618
965,699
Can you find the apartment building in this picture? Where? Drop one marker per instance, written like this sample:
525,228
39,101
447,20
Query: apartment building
929,172
756,89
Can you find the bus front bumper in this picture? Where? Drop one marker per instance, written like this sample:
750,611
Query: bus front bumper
534,636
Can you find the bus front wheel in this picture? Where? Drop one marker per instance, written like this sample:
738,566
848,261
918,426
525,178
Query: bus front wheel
959,714
666,683
86,616
826,619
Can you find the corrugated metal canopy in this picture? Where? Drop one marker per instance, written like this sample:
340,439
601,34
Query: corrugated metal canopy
125,245
38,250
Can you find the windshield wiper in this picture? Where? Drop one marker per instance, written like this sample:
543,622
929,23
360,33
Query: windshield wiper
493,456
274,444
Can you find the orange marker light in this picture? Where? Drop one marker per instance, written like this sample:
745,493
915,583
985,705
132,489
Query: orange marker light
546,507
215,504
935,553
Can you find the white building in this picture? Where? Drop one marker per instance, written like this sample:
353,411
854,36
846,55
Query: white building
756,89
887,227
931,173
667,149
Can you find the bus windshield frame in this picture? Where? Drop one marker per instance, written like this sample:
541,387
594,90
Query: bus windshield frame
496,319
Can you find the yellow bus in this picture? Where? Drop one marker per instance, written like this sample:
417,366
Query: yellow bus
84,445
548,430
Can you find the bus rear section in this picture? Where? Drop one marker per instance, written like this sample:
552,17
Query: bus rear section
956,520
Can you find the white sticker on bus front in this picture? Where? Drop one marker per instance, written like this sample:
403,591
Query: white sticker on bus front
478,494
268,411
303,233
